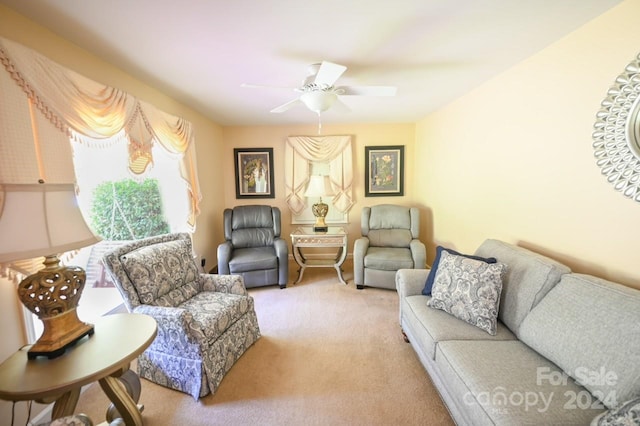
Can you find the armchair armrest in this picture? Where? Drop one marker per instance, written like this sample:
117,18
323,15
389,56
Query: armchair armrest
174,332
233,284
224,256
360,248
418,253
282,252
163,314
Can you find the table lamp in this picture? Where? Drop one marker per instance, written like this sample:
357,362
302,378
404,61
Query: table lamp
44,220
319,186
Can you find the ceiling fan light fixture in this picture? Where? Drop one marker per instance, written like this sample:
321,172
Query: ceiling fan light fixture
318,101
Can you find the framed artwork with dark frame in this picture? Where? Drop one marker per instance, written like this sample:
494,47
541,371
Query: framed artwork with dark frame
384,171
254,172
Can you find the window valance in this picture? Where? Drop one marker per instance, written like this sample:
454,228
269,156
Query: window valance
301,150
85,111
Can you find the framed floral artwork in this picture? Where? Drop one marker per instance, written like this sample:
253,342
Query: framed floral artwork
254,172
384,171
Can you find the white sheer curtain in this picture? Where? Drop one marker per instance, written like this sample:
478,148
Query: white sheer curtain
301,150
85,111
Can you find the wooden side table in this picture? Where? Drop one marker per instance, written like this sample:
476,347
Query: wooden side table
305,236
103,357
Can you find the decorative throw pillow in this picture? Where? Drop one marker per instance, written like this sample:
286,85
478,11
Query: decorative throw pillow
434,267
469,290
626,414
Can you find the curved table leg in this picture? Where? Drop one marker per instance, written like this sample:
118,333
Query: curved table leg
65,405
126,406
301,261
132,385
342,255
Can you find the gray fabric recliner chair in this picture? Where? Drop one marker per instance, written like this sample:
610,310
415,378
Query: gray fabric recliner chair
253,246
389,242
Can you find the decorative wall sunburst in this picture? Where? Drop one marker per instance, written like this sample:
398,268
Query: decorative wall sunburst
616,138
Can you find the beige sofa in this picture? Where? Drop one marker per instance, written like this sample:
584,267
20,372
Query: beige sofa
566,350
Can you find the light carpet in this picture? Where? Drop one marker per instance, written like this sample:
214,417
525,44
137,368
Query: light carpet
329,355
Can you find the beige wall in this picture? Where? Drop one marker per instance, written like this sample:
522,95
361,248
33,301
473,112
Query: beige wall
275,137
513,159
208,136
510,160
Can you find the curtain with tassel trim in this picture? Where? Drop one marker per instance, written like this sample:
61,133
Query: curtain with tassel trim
87,112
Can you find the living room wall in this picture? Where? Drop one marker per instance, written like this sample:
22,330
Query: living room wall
208,134
276,136
208,140
513,159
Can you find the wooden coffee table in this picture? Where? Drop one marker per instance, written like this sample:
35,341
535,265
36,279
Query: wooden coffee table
103,357
306,237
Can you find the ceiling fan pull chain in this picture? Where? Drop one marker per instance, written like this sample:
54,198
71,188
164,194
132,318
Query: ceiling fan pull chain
319,124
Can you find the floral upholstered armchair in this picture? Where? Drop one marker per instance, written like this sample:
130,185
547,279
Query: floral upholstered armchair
205,322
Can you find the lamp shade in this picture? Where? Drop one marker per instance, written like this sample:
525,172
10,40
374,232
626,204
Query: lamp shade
319,186
40,219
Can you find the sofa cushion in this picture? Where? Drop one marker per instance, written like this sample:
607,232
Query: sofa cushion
428,326
590,328
507,383
388,259
468,289
162,269
627,413
528,279
428,285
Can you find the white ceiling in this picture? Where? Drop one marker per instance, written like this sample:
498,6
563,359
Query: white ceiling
200,51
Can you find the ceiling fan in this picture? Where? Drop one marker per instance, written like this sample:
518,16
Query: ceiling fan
318,92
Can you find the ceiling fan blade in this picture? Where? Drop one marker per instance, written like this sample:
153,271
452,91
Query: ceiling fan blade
328,73
263,86
286,106
339,106
367,90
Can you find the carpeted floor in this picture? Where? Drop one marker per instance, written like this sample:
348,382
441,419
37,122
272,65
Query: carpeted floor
329,355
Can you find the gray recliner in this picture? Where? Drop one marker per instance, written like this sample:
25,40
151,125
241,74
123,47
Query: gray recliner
253,246
389,242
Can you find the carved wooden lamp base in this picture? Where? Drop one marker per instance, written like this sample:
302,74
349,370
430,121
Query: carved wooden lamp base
53,294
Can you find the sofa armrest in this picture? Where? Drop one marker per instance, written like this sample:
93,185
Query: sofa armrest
233,284
410,282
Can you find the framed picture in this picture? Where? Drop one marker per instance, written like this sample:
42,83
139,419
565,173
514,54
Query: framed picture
254,172
384,171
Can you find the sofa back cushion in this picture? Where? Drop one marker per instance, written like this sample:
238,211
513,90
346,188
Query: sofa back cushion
163,274
528,278
590,328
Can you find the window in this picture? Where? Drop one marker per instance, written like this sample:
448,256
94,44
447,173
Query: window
334,216
108,162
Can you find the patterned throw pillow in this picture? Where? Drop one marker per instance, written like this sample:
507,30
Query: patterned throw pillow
469,290
428,285
626,414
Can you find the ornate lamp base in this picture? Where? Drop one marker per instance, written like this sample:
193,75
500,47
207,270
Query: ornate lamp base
320,211
53,294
